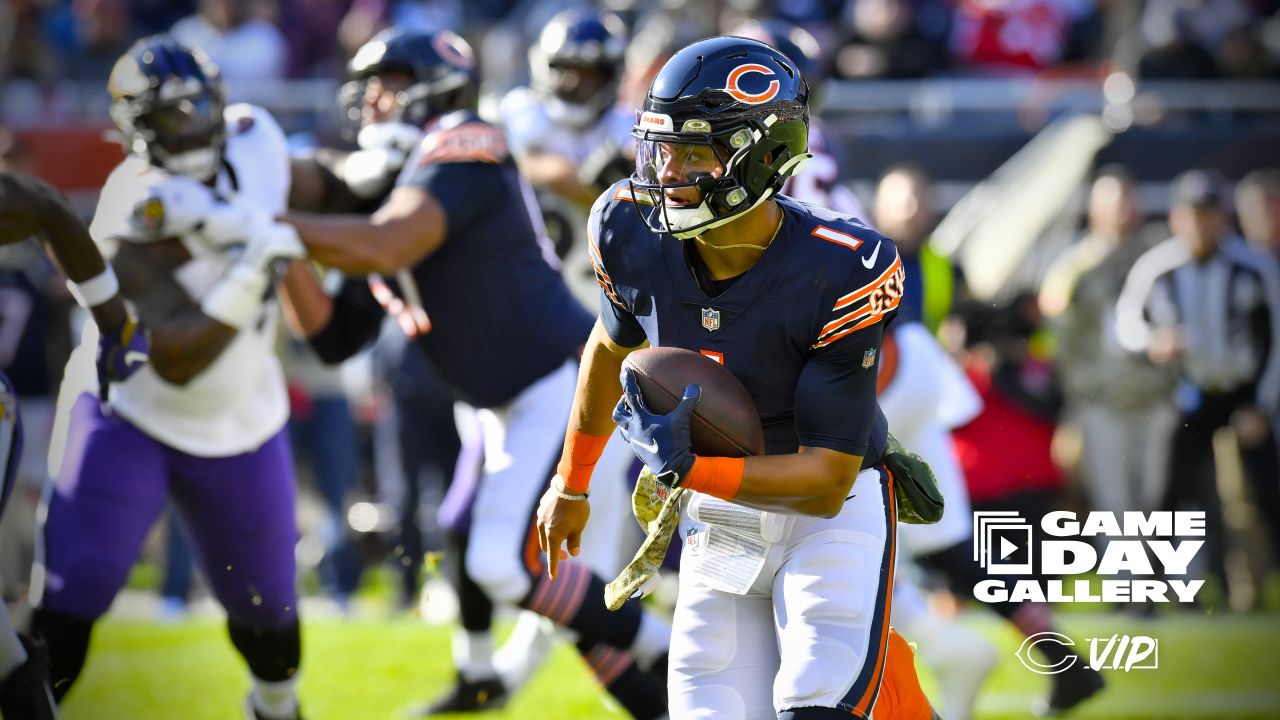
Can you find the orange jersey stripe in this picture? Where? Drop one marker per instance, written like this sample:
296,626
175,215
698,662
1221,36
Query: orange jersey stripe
864,324
866,290
835,324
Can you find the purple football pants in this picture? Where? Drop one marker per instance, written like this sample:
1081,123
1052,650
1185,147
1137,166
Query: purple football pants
114,484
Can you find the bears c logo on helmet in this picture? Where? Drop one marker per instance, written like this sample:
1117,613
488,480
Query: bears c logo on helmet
735,76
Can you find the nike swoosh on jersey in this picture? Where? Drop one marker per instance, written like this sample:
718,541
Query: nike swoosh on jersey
870,262
133,357
651,447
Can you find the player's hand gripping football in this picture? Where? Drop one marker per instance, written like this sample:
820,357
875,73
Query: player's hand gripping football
121,353
562,516
662,442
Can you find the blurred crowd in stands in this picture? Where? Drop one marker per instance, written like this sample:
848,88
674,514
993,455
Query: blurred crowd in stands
48,41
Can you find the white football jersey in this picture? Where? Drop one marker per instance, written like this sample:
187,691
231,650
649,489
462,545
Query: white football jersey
239,401
531,129
928,396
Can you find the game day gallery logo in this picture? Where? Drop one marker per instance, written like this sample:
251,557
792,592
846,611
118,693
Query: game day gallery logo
1144,559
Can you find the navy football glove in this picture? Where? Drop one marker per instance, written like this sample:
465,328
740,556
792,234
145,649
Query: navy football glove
121,353
662,442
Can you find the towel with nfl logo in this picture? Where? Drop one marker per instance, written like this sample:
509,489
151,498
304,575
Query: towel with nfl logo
657,509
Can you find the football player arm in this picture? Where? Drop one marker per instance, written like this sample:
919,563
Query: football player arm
317,184
591,419
184,340
556,173
336,327
814,481
33,207
406,229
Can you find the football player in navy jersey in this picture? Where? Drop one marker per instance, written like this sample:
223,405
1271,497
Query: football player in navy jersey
788,557
460,246
30,208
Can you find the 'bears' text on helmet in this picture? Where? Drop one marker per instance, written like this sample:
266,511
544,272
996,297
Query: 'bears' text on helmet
728,116
576,65
167,101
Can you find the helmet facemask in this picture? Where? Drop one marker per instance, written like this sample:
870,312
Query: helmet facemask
576,94
415,104
696,180
183,135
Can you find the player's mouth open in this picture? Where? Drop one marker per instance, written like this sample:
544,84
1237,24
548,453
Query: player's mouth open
680,198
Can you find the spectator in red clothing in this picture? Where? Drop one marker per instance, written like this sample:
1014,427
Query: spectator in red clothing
1017,36
1006,450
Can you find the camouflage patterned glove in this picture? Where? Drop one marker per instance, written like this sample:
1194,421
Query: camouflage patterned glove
658,512
916,489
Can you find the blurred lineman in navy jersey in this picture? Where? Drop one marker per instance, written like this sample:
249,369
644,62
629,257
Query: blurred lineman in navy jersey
31,209
697,251
459,246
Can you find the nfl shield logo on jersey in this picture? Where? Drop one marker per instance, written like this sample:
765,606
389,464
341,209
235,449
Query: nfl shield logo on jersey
710,319
869,358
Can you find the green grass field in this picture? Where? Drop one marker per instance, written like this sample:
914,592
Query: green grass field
1216,667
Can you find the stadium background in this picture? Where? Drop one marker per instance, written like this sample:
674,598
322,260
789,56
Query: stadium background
995,99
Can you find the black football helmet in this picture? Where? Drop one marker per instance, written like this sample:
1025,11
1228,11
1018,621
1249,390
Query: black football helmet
728,116
576,65
440,66
167,100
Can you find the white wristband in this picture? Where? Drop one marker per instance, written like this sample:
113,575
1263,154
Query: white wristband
96,290
236,299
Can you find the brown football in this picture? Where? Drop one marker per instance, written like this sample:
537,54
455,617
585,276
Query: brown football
725,422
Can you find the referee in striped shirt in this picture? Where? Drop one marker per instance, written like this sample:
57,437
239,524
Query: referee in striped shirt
1208,305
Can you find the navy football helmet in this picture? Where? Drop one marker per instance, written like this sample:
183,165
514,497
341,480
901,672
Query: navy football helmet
167,101
728,116
439,69
576,65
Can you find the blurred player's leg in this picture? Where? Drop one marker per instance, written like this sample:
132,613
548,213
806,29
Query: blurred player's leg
1070,688
108,493
959,656
607,544
502,558
24,681
240,511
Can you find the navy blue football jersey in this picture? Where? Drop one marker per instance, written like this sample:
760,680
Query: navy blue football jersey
501,315
801,329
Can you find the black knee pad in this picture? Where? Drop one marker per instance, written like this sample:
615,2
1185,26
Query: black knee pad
273,654
64,640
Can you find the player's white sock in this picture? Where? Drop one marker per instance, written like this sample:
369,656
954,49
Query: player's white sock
473,654
525,650
652,641
276,699
12,654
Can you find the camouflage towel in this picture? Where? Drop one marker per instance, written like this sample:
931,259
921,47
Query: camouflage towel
657,509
